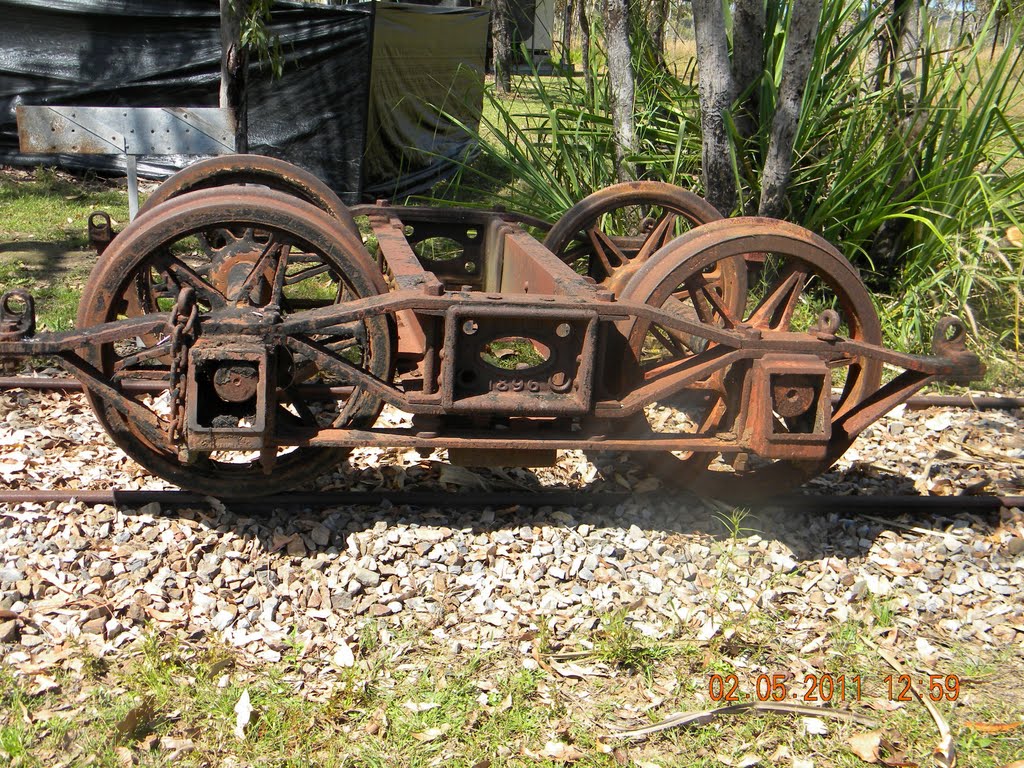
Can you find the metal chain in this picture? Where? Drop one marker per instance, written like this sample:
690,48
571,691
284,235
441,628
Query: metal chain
183,320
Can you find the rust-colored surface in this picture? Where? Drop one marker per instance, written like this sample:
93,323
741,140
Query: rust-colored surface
282,343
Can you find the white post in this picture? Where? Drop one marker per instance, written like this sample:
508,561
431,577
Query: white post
133,187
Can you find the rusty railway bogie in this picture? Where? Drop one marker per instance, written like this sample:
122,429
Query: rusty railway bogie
239,339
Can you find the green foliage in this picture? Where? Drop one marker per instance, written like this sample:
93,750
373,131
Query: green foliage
256,35
621,644
916,181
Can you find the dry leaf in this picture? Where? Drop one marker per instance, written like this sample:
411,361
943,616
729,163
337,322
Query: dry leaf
243,713
866,745
420,706
803,762
432,733
136,719
378,722
343,656
944,754
815,726
993,727
42,684
558,751
1015,764
571,670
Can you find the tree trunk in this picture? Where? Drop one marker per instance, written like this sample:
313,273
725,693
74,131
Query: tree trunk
717,94
908,49
567,17
803,30
501,43
657,27
584,24
748,58
234,65
621,83
876,63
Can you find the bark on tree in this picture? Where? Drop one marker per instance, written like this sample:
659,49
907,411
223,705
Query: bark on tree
567,17
748,58
621,83
908,48
584,25
717,93
778,164
656,27
234,65
501,43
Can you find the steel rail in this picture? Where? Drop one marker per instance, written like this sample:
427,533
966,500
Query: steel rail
556,498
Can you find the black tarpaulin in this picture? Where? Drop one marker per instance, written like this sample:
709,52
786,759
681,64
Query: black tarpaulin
154,53
428,62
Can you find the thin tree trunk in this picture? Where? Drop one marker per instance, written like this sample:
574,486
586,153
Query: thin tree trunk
234,65
908,50
567,17
803,29
657,27
621,83
876,63
748,58
717,94
584,24
501,42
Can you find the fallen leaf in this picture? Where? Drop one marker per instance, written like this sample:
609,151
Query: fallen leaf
243,713
803,762
558,751
993,727
866,745
378,722
136,719
343,656
420,706
42,684
815,726
1015,764
432,733
571,670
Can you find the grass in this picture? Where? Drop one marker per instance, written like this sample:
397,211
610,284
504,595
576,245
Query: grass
56,301
166,700
55,207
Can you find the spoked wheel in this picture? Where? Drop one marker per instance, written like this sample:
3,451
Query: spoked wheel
256,170
803,279
275,256
611,233
250,170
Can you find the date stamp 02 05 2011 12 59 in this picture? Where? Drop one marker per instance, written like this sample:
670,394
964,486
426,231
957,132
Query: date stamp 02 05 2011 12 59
828,687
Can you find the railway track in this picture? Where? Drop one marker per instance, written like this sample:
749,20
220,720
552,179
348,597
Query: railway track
532,499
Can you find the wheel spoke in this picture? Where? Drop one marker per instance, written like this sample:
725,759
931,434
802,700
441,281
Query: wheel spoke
150,353
663,232
271,251
776,309
605,246
182,274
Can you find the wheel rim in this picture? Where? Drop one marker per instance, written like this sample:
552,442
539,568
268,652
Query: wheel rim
269,172
800,270
610,234
321,258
